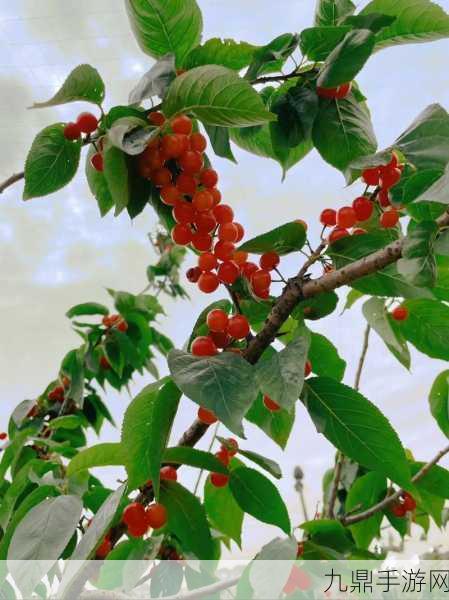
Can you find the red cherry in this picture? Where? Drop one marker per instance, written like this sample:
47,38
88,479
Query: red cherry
384,198
324,92
206,416
240,257
240,232
261,279
208,282
337,234
153,160
400,313
223,456
408,502
389,219
216,195
186,184
138,530
134,514
343,90
172,146
191,162
389,178
269,261
202,201
363,208
217,320
170,195
224,250
209,178
182,124
205,222
181,234
198,142
3,435
193,274
346,217
371,176
328,217
223,213
87,122
248,268
359,231
398,509
104,548
156,515
228,232
169,473
233,446
122,326
104,363
201,241
183,212
238,327
72,131
228,272
207,262
221,338
156,118
219,480
97,162
307,368
161,177
271,404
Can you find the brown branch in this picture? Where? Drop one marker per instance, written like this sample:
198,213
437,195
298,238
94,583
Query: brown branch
351,519
11,181
335,484
274,78
361,364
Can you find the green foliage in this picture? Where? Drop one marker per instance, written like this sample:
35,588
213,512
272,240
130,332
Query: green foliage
116,176
328,533
227,53
87,308
271,57
220,141
98,185
183,455
318,42
439,401
364,493
330,12
284,239
325,358
296,111
83,83
418,265
277,425
51,162
99,455
427,327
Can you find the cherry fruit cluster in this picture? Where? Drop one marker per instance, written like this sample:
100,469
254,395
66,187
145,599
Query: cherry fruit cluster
224,455
86,123
405,504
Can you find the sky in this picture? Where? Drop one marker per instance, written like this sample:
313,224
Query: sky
56,251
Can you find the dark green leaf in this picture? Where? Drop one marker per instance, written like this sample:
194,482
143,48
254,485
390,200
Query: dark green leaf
439,401
72,366
330,12
373,21
357,428
328,533
98,185
51,162
84,83
68,422
283,240
271,57
187,519
227,52
436,190
317,307
435,481
417,265
266,463
116,175
87,308
318,42
427,327
216,96
223,384
97,456
325,358
219,138
163,26
296,112
277,425
256,495
364,493
183,455
418,183
347,59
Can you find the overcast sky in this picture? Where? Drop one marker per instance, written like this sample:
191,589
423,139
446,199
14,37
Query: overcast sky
57,251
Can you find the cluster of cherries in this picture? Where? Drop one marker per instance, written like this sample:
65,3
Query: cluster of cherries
86,123
57,394
404,505
224,455
350,217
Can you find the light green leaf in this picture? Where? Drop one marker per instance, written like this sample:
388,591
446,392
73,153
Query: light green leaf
267,464
116,175
376,315
257,496
374,21
183,455
318,42
328,533
187,519
364,493
435,481
84,83
277,425
87,308
330,12
220,141
352,297
427,327
223,384
51,162
416,21
418,265
163,26
98,185
284,239
439,401
347,59
227,53
357,428
68,422
216,96
100,455
325,358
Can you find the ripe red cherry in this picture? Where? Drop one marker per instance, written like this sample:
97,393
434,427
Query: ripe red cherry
371,176
228,232
186,184
87,122
298,580
138,530
134,514
201,241
269,261
359,231
122,326
328,217
169,473
307,368
271,404
207,261
193,274
205,222
181,234
198,142
363,208
223,456
240,232
384,198
337,234
72,131
156,118
224,250
389,178
182,124
161,177
202,201
343,90
233,446
219,480
228,272
104,363
191,162
156,515
240,257
183,212
216,195
217,320
324,92
389,219
3,435
170,195
172,146
209,178
203,346
346,217
221,338
208,282
104,548
238,327
260,279
97,162
248,268
400,313
223,214
398,509
206,416
408,502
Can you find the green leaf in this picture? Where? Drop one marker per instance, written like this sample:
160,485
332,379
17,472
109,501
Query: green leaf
416,21
427,327
271,57
146,429
325,358
317,307
284,239
343,132
223,512
328,533
296,111
418,265
347,59
40,538
318,42
184,455
439,401
98,185
436,191
277,425
100,455
374,21
87,308
51,162
330,12
415,185
267,464
163,26
352,297
223,384
357,428
84,83
216,96
364,493
187,519
282,376
68,422
435,481
219,139
376,315
227,53
116,175
257,496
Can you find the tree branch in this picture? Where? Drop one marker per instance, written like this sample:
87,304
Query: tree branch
11,180
335,484
358,375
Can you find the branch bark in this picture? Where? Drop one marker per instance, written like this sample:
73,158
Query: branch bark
11,180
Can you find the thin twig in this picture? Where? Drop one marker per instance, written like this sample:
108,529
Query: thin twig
11,181
200,474
362,357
